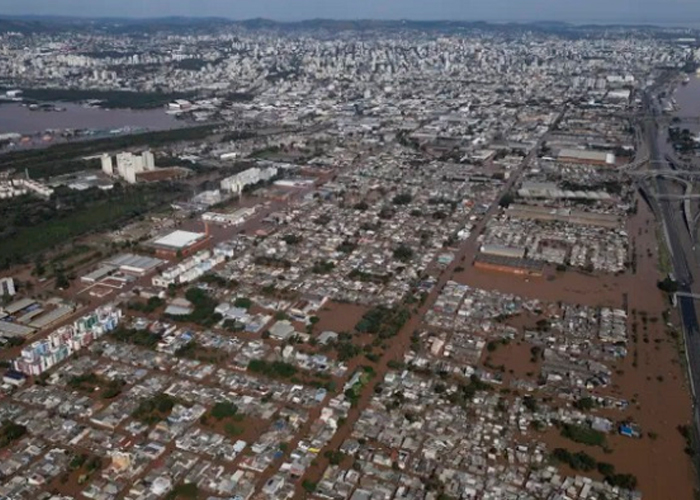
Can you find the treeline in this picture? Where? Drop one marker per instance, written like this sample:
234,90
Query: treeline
49,161
30,226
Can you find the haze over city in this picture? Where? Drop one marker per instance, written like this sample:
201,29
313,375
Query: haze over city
600,11
390,250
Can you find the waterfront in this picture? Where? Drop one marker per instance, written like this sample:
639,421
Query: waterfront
16,118
688,98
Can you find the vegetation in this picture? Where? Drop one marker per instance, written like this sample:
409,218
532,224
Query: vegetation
335,457
383,321
215,279
11,432
346,350
466,392
577,461
309,486
506,200
273,369
151,305
402,199
152,410
323,267
292,239
243,303
184,490
583,435
361,206
142,338
223,410
403,253
31,225
366,277
584,462
668,285
346,247
585,404
113,389
58,154
86,382
204,309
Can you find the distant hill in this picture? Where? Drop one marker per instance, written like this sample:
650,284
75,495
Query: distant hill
49,24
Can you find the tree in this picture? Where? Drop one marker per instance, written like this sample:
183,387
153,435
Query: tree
402,199
403,253
62,282
506,200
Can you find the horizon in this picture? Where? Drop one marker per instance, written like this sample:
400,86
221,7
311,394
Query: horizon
686,24
629,12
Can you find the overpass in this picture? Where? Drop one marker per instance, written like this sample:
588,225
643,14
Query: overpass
664,172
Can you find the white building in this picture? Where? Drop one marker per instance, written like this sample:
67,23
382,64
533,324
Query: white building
128,165
236,183
107,165
148,160
7,287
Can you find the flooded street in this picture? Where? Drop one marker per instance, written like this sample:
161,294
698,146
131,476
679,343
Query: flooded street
655,383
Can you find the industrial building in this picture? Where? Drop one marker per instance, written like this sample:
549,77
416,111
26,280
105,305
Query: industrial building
514,265
233,219
583,157
179,243
135,265
567,215
549,190
503,251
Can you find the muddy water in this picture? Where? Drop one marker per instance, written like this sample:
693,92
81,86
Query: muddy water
657,384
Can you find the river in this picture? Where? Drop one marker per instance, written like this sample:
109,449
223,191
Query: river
688,98
15,118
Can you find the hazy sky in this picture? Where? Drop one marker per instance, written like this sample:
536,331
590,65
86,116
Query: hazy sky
652,11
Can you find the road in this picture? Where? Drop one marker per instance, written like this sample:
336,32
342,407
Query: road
401,343
681,247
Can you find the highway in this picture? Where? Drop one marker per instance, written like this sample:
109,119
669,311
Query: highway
681,247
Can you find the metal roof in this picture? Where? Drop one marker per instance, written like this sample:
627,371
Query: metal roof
179,239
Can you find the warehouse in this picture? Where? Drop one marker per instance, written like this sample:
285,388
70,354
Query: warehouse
503,251
567,215
583,157
134,264
512,265
179,243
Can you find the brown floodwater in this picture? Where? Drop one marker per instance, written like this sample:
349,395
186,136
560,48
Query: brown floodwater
656,384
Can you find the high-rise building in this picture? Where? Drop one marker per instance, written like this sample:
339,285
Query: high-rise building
149,161
107,166
7,287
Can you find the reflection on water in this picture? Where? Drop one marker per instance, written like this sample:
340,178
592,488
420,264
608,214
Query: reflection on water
688,98
16,118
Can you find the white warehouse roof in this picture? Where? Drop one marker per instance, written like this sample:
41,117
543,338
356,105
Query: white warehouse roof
179,239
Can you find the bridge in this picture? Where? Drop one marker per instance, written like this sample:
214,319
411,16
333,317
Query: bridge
677,197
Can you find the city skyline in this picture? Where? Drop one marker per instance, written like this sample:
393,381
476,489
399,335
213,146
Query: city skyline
680,12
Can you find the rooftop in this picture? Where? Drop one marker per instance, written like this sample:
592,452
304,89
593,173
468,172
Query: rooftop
179,239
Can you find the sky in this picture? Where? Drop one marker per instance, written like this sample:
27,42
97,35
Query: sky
633,11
